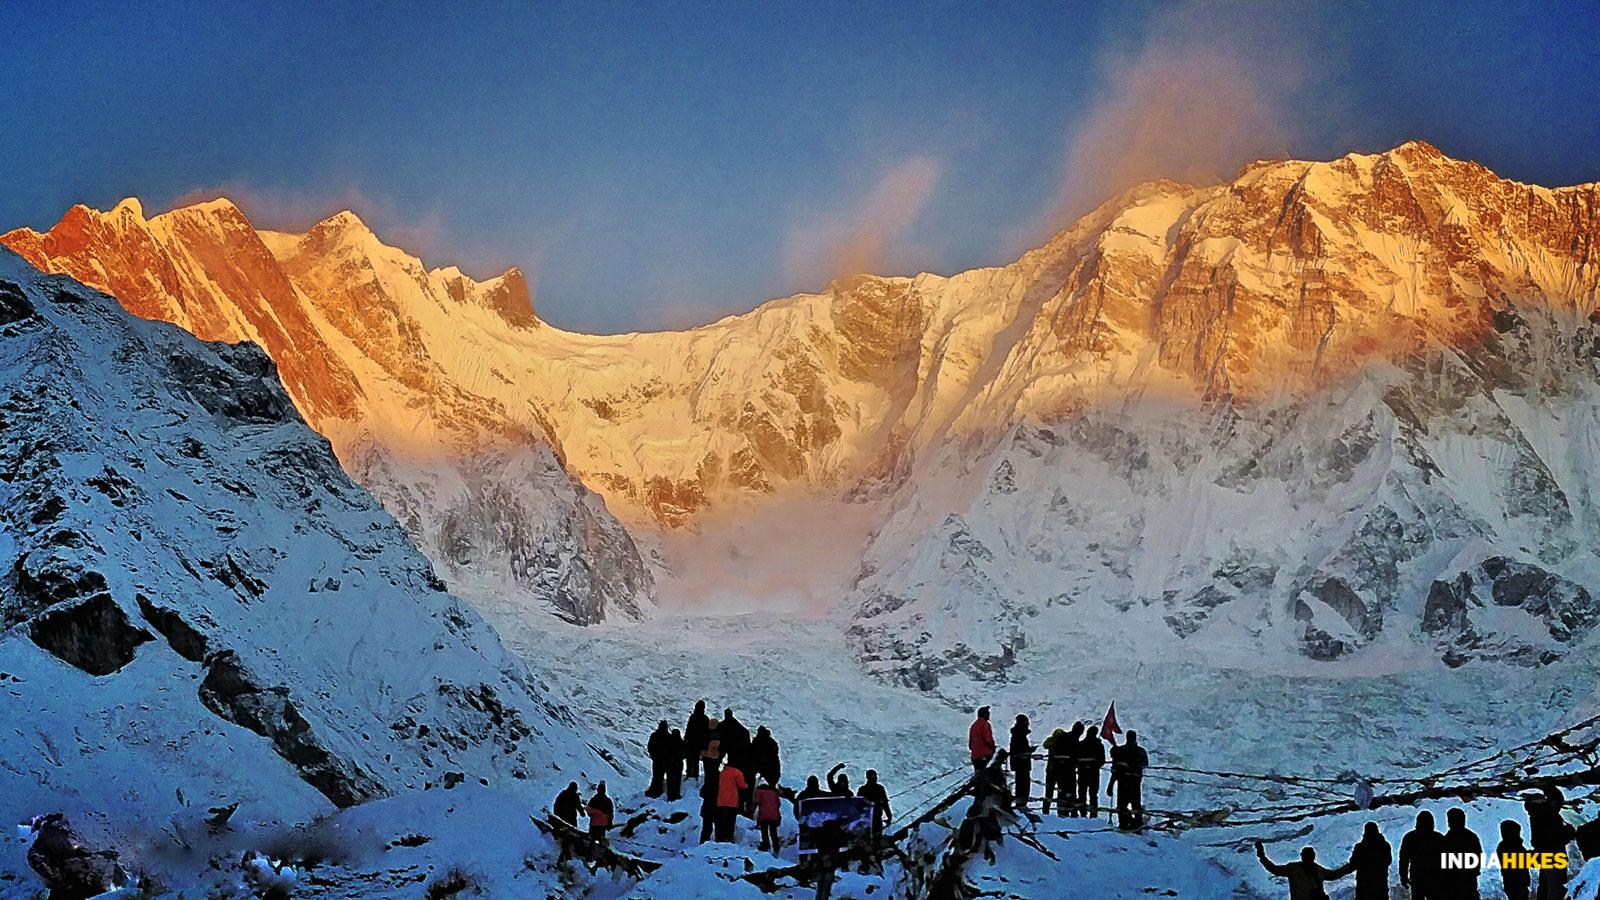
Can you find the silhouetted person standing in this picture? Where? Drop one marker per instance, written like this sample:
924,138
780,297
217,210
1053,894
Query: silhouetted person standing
1091,758
1549,833
873,790
1061,769
657,747
1460,884
1306,877
1371,859
566,810
694,739
764,754
674,755
735,740
568,806
710,786
1516,880
1419,859
1128,763
600,812
980,740
839,782
812,789
1021,761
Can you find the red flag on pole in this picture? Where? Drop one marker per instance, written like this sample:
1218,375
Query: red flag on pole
1110,726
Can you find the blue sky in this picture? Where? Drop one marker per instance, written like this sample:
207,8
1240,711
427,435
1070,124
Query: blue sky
659,165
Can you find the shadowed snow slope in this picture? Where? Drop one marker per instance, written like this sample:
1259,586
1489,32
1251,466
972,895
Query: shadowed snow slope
200,608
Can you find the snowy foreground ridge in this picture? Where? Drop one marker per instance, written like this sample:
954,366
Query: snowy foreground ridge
201,609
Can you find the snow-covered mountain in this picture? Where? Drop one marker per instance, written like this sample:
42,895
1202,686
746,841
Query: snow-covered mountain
1348,408
478,487
199,608
1330,408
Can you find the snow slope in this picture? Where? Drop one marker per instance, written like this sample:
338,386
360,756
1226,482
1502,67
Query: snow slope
200,608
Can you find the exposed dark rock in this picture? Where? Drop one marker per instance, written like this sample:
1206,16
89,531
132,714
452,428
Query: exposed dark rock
1365,620
185,640
38,584
245,390
1566,609
94,635
71,870
14,304
234,694
227,570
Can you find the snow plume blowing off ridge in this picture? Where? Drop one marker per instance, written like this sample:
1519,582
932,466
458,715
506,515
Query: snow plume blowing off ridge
1187,106
869,236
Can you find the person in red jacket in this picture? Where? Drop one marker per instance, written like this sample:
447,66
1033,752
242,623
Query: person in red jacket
769,812
600,812
730,784
980,740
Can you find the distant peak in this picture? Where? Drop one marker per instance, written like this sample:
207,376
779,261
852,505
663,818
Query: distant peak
129,206
508,296
1417,148
344,220
219,205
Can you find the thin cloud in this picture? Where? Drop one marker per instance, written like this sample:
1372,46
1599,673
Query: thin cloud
1195,103
871,234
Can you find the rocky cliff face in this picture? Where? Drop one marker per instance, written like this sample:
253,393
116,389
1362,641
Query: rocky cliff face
200,608
479,489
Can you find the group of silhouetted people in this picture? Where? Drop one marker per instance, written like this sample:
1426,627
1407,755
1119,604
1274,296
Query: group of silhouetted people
1446,865
738,775
1073,761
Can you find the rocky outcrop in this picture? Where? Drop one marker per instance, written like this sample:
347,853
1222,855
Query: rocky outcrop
231,692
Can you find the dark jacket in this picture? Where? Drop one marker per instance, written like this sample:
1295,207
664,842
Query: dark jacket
1371,859
1547,831
1305,879
873,790
1021,750
694,733
659,744
735,739
807,793
1513,877
764,756
567,806
1091,754
1460,882
1419,857
1128,761
672,748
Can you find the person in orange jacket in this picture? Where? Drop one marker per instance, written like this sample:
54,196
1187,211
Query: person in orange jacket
980,740
730,787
